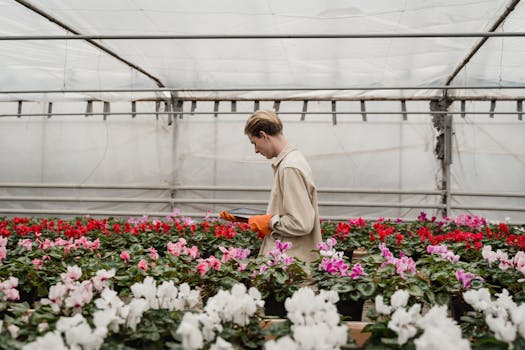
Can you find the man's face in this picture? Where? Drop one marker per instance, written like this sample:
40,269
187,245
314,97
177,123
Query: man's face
262,144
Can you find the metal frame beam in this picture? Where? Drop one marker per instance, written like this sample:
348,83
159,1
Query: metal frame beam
483,40
77,35
263,36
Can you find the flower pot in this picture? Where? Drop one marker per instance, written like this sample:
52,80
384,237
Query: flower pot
358,254
458,308
349,253
351,309
274,308
357,334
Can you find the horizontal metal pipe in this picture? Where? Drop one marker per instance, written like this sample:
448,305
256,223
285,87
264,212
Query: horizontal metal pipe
249,189
80,213
84,199
473,207
205,201
86,186
186,113
291,89
488,194
106,213
264,36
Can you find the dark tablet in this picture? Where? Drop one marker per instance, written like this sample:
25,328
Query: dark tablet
244,213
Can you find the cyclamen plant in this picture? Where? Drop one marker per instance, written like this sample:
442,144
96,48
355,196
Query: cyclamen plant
495,322
403,264
334,263
399,325
315,323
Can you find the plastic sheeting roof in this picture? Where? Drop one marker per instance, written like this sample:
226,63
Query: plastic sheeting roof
258,63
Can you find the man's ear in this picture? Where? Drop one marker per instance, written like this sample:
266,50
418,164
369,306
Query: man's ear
262,134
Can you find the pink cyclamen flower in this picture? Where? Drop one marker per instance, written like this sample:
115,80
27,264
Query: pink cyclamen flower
3,253
153,253
125,256
26,243
37,263
193,251
143,265
202,267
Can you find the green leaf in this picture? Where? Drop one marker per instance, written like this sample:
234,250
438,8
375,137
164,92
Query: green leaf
442,299
366,289
416,290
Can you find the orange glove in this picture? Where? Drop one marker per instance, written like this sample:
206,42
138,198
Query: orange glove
260,223
227,216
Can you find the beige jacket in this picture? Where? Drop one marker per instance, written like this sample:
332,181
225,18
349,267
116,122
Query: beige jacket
293,205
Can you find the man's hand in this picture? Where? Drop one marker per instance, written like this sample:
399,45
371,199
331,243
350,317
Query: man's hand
227,216
260,223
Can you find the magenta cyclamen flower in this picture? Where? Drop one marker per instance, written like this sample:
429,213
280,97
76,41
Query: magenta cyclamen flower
466,277
357,271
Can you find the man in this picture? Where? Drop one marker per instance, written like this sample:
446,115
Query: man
292,214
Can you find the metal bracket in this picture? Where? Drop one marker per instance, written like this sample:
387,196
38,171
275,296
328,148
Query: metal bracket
276,106
305,108
107,109
216,109
404,109
492,108
89,108
49,109
133,109
363,110
334,114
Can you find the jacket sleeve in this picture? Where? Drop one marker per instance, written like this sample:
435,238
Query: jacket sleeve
298,216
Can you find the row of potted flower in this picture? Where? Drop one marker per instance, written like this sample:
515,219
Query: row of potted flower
434,261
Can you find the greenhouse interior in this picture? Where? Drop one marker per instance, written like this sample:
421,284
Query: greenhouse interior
122,134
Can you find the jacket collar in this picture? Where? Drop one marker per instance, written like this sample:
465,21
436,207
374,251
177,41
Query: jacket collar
289,148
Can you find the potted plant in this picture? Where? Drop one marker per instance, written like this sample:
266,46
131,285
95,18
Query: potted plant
332,271
277,276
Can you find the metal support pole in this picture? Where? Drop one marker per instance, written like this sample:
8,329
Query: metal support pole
443,125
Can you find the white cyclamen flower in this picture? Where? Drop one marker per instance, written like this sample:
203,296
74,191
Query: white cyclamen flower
190,332
399,299
136,308
147,290
503,329
211,324
50,340
505,301
167,296
282,343
190,297
518,318
403,323
221,344
320,336
381,307
13,330
435,324
479,299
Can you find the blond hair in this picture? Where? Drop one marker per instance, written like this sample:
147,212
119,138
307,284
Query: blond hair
263,120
